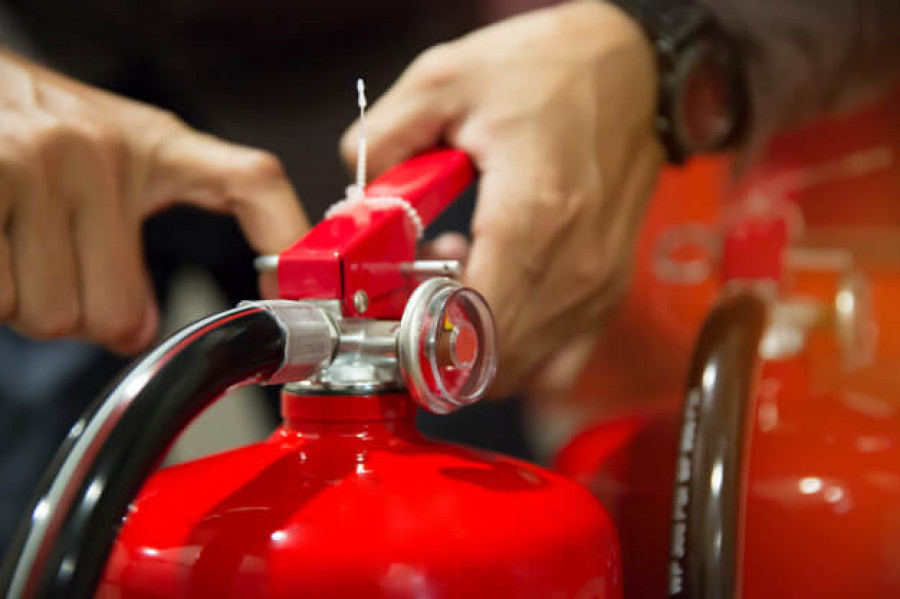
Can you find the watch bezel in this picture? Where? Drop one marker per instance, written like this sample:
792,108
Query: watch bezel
679,30
700,54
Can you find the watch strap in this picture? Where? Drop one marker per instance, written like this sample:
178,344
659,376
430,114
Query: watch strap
673,26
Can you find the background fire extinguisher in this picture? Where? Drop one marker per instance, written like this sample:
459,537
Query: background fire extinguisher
774,474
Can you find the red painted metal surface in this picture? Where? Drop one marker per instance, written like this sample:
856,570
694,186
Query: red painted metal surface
821,512
653,329
628,463
363,246
754,249
821,494
347,499
429,182
822,497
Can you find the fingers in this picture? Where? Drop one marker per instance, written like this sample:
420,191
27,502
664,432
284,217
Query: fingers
209,173
75,264
485,274
446,246
79,171
500,267
413,115
43,263
206,172
72,262
118,307
396,130
7,281
560,374
268,285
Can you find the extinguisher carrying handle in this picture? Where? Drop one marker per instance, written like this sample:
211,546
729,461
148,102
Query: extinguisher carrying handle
704,543
63,543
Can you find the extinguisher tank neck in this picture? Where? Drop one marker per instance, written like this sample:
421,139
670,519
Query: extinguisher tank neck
310,412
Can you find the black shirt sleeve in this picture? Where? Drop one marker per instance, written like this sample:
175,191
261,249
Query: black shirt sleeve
809,56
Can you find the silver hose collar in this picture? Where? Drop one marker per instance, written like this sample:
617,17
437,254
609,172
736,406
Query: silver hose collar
311,338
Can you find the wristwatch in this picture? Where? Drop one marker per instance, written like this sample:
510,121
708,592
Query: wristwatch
703,103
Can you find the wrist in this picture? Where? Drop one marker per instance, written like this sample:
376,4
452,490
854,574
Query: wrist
702,100
622,57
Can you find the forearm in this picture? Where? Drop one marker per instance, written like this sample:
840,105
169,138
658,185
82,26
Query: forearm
805,57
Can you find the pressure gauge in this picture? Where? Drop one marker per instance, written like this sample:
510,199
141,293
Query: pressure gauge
446,346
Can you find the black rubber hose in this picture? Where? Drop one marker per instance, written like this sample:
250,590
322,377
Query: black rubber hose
62,546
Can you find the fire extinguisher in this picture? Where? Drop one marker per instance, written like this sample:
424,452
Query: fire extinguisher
771,477
346,498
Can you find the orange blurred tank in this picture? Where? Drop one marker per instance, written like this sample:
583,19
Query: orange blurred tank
846,190
810,477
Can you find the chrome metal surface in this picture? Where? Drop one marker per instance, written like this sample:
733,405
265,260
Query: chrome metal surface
706,244
432,268
788,326
854,319
353,374
817,259
365,361
369,337
266,263
409,339
419,347
361,301
311,338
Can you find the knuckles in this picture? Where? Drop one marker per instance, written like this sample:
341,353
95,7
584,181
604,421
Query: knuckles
260,166
78,136
347,145
7,303
53,148
436,66
59,320
35,141
265,164
164,121
117,326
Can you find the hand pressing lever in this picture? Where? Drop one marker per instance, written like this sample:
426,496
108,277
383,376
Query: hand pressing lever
557,110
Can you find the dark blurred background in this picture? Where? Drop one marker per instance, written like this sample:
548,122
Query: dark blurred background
278,75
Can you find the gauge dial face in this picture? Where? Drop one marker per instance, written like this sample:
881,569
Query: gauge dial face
705,113
447,346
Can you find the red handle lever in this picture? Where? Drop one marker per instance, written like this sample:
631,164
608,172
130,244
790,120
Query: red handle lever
429,182
358,251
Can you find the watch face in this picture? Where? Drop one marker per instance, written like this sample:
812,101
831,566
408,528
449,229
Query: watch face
705,113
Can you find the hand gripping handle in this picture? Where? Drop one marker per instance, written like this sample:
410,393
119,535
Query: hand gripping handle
430,182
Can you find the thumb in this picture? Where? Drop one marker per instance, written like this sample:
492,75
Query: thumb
203,171
447,246
412,116
500,267
561,373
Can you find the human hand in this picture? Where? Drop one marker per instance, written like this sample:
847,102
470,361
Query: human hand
80,169
557,110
